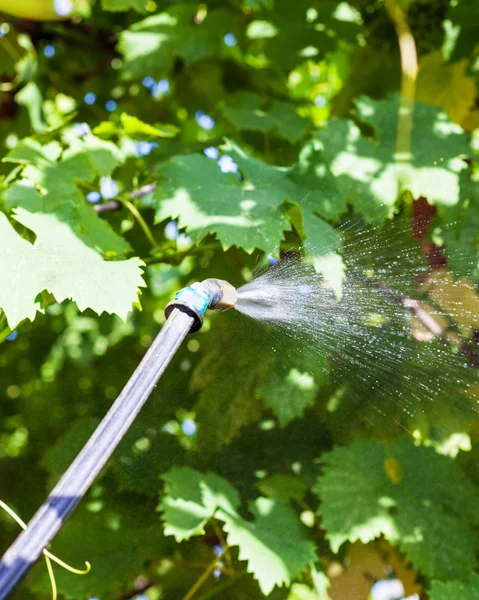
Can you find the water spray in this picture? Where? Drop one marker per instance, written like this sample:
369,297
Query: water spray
184,315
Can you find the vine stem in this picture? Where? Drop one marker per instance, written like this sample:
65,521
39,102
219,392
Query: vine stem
202,578
409,71
141,221
222,586
219,534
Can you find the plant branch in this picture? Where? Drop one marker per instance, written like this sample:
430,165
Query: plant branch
139,590
219,534
409,70
202,578
110,206
143,191
141,221
116,205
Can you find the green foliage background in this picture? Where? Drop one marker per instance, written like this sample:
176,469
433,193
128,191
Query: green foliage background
297,472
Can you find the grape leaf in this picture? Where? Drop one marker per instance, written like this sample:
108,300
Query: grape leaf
86,225
446,86
136,128
31,97
283,487
137,466
290,33
59,456
246,111
191,499
59,262
122,5
273,544
227,398
150,46
288,392
455,590
362,483
461,30
84,160
366,172
321,582
247,213
243,213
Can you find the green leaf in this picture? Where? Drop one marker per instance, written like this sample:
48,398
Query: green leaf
455,590
321,582
283,487
85,224
273,544
461,30
122,5
247,112
288,392
366,172
150,46
291,33
102,155
363,483
143,456
31,97
242,213
61,263
85,160
247,213
227,396
136,128
59,456
191,499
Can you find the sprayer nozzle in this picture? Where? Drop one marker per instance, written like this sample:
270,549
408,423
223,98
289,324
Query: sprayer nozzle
214,294
227,296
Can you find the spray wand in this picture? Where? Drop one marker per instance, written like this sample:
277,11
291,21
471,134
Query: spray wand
184,315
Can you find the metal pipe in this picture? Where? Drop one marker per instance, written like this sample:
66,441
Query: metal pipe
184,314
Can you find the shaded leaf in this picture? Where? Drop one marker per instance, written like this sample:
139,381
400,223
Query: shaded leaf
273,544
433,504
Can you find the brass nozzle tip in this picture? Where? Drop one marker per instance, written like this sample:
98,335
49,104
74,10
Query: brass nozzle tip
228,297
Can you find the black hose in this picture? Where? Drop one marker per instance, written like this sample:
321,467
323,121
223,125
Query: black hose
48,520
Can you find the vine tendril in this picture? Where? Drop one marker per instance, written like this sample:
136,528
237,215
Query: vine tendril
49,557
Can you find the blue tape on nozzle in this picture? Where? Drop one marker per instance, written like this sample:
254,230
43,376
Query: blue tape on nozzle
194,298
